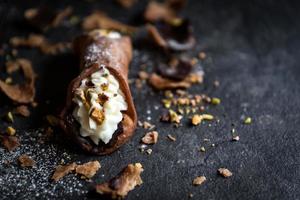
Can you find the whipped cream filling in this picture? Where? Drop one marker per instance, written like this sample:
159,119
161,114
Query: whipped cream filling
100,103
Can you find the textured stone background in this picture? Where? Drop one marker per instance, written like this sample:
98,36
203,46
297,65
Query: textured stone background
253,49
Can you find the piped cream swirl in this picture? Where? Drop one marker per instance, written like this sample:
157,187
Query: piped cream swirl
100,103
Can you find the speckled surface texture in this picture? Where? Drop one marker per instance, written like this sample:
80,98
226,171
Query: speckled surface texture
253,49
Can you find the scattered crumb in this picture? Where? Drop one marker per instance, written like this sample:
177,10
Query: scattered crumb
143,75
202,55
10,117
191,195
172,138
202,149
215,101
62,171
216,83
22,110
236,138
26,161
150,137
89,169
196,119
148,125
126,3
10,142
52,120
224,172
248,120
149,151
125,181
199,180
213,145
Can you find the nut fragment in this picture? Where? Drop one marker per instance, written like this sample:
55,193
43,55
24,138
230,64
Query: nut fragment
248,120
89,169
199,180
125,181
150,137
196,119
97,115
26,161
225,172
11,131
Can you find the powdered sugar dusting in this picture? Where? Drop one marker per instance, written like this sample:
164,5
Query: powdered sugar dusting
36,180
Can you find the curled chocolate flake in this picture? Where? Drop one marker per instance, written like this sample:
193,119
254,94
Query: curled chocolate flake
101,20
160,83
10,142
24,93
177,69
176,35
126,181
44,18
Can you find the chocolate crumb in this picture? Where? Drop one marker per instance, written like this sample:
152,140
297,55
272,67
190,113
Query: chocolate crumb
199,180
150,137
89,169
10,142
62,171
22,110
224,172
26,161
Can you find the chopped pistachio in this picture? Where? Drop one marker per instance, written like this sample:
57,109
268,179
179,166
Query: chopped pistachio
167,103
176,21
10,117
207,117
11,131
97,115
215,101
174,116
181,111
74,20
169,94
248,120
202,149
53,121
196,119
8,80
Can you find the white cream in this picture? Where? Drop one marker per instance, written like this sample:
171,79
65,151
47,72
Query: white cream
112,108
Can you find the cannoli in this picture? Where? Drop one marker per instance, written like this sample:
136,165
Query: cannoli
99,113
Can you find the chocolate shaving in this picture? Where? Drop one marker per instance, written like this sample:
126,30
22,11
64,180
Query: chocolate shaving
156,11
89,169
26,161
126,181
160,83
40,42
101,20
62,171
44,18
10,142
126,3
177,69
22,110
24,93
176,35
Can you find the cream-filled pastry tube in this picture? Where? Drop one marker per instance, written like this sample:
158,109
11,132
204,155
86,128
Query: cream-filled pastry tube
99,113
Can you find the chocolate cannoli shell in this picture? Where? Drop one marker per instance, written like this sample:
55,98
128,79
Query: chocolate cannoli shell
115,55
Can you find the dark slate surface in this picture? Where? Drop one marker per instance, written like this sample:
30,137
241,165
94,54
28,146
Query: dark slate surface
253,49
